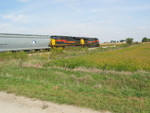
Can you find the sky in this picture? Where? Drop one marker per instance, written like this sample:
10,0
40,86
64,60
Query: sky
105,19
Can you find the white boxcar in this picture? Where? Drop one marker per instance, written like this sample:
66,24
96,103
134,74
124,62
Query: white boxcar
16,42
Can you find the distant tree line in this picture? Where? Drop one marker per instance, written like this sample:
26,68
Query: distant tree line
129,40
114,41
145,39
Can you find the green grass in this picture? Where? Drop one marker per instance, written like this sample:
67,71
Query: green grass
82,78
115,92
11,55
132,58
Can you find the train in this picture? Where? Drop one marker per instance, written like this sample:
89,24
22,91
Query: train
27,42
67,41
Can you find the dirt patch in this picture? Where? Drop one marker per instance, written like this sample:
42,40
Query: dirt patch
17,104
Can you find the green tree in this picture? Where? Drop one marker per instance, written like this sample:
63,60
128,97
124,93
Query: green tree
122,40
145,39
129,40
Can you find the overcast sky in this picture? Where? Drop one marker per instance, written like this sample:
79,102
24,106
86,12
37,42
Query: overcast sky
106,19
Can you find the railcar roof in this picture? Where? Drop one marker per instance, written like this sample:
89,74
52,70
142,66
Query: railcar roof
21,35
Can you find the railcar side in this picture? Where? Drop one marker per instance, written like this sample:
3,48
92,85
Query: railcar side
17,42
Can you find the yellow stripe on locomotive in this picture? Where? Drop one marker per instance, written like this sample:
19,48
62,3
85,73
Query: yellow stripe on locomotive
53,42
82,41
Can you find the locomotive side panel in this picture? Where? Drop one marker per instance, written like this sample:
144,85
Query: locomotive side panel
64,41
92,42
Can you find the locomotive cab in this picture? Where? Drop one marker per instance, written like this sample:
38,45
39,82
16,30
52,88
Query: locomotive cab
82,41
53,42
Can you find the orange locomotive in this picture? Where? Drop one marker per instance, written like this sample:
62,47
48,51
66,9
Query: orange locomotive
65,41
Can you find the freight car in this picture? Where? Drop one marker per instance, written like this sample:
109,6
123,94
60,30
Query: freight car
17,42
65,41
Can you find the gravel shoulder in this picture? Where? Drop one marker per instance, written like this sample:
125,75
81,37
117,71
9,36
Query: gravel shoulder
10,103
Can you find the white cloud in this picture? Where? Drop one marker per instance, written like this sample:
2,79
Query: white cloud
98,10
135,8
16,18
141,28
66,0
118,32
108,1
11,28
24,0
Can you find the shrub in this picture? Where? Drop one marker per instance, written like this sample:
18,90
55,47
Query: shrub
129,40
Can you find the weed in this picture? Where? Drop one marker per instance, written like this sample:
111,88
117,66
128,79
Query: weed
82,78
117,93
133,58
13,55
85,79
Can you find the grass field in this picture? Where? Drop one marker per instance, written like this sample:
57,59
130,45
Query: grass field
87,83
133,58
115,92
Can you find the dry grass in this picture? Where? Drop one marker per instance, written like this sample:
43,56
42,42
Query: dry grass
97,90
95,70
111,44
100,89
133,58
